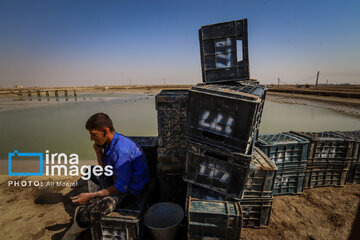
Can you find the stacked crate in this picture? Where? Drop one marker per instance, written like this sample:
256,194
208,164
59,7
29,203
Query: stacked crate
255,204
223,117
329,158
257,197
354,169
210,216
171,106
289,152
221,127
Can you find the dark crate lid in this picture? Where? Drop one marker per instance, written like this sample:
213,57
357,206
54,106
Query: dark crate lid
214,208
351,134
224,51
203,194
321,136
169,96
280,139
145,141
249,92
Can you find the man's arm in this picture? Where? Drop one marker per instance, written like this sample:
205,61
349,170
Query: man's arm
83,198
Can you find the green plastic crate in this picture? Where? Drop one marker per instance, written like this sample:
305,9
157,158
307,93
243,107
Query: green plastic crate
355,135
256,211
328,148
213,219
324,176
285,149
261,178
289,181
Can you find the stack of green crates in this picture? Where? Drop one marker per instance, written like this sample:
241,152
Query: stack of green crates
289,152
329,159
255,204
257,197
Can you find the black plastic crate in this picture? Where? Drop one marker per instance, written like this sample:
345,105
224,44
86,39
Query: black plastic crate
289,181
328,148
225,115
149,146
256,212
224,51
119,225
215,169
171,108
214,219
323,176
261,178
285,149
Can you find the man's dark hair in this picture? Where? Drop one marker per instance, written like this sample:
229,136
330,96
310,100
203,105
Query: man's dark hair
98,121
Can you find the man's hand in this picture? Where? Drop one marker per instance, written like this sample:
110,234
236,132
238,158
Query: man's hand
97,149
82,198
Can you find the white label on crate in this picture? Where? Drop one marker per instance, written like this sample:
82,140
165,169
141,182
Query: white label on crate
202,169
225,178
216,123
228,128
284,180
203,119
213,173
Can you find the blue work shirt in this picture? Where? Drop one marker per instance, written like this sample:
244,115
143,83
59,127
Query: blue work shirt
129,164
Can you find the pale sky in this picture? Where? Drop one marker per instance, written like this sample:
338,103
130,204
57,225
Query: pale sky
77,43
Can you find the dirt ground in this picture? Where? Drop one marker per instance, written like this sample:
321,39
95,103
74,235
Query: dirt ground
45,212
318,213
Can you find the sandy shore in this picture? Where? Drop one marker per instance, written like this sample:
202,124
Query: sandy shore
8,102
35,212
4,92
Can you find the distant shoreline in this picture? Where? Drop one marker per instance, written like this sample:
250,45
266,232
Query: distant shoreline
341,98
15,91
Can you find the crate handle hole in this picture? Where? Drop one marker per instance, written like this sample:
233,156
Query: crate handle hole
212,135
239,48
215,155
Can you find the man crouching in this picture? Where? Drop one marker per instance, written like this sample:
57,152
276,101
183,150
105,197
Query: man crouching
130,174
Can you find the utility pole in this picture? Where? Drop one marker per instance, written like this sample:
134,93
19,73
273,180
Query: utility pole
317,78
327,81
278,81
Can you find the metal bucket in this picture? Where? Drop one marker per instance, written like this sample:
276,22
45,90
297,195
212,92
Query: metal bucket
163,220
